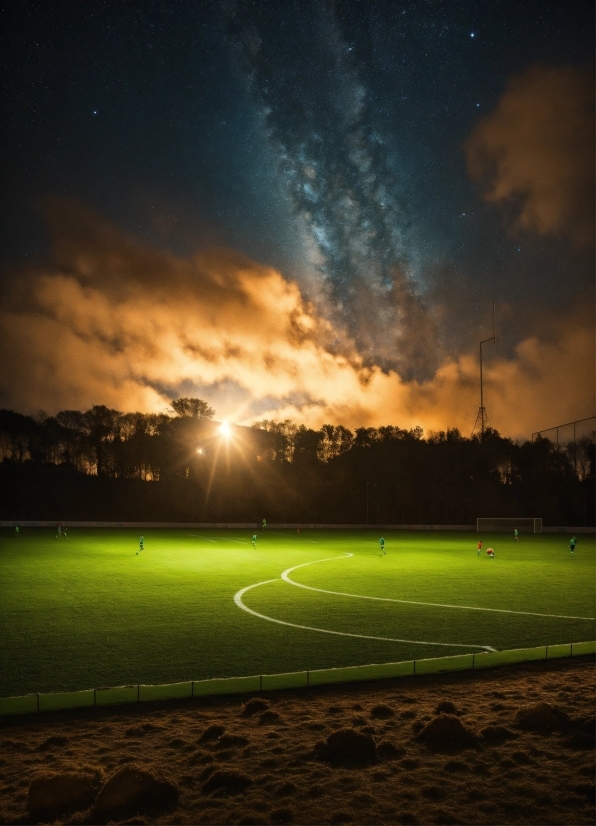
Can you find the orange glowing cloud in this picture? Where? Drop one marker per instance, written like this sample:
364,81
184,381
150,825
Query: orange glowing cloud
111,320
535,152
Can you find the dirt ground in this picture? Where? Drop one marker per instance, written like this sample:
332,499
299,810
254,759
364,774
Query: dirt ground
504,746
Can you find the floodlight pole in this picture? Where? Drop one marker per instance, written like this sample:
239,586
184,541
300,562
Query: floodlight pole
482,410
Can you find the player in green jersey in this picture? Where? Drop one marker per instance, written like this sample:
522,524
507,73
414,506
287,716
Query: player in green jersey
254,539
382,544
264,524
572,544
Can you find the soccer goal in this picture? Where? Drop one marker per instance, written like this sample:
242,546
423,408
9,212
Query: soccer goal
526,525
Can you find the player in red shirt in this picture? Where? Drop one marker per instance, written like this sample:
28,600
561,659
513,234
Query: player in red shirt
479,546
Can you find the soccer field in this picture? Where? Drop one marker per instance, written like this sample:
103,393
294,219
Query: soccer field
89,612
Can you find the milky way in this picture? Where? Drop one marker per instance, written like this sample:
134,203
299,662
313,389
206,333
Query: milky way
404,163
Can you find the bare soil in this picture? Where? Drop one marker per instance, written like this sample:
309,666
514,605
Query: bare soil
504,746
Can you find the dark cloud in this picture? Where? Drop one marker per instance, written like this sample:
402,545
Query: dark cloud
113,320
534,154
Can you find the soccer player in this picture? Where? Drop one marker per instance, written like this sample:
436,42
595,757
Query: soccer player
59,532
64,532
515,534
264,524
479,546
572,544
254,539
297,528
16,530
141,543
490,552
382,544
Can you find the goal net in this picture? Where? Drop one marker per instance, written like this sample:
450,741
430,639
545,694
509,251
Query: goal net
526,525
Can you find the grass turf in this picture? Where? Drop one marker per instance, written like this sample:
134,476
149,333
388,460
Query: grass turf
88,612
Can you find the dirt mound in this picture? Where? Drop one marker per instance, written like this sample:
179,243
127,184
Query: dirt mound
56,740
231,741
53,795
347,747
269,717
381,712
388,751
542,717
447,734
281,816
213,732
495,735
447,707
226,782
131,791
255,706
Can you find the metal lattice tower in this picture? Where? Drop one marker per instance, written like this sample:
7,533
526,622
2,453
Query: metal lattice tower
482,421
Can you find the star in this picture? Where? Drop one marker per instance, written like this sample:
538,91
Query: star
472,34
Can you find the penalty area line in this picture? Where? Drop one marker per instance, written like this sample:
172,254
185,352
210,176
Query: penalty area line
239,602
286,578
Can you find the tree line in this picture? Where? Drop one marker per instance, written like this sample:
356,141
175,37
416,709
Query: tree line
179,466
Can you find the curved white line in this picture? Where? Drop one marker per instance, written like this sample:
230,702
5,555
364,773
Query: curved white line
287,579
238,600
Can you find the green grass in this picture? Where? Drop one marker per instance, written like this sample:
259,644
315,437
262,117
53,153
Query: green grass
88,612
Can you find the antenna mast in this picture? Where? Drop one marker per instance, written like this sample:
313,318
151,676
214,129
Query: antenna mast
482,416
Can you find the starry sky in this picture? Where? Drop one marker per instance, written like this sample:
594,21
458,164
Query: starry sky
300,209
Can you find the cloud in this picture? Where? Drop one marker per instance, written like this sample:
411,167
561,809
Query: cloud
535,152
110,320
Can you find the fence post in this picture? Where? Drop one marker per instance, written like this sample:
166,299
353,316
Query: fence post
571,652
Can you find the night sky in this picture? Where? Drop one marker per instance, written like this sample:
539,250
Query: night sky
300,209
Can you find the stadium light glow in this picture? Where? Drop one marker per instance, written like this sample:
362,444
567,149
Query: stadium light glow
200,451
224,430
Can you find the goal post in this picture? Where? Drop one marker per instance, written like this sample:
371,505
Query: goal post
506,525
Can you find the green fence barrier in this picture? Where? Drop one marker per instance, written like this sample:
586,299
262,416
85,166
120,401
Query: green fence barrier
116,696
293,679
229,685
553,652
489,659
66,700
579,648
168,691
32,703
460,662
18,705
350,674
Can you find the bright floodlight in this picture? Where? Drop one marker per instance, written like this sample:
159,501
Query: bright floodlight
224,429
200,451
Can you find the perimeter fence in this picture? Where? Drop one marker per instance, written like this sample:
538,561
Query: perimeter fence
97,697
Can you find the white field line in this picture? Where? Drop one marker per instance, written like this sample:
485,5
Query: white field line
226,539
196,536
287,579
238,600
